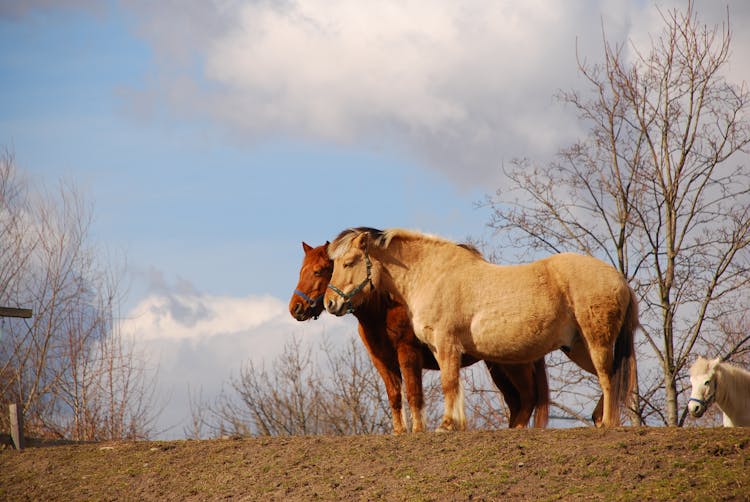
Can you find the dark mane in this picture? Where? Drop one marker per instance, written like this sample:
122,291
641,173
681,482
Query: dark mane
472,248
383,237
354,231
344,238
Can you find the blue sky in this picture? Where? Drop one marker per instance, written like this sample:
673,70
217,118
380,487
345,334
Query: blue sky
187,197
213,137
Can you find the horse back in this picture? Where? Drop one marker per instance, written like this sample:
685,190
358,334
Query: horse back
587,281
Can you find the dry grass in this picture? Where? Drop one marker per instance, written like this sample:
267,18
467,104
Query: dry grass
572,464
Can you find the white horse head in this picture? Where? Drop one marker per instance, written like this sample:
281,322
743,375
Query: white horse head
703,380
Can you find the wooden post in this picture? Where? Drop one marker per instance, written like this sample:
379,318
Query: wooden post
16,426
12,312
16,415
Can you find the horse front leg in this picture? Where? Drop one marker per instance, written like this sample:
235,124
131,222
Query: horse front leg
410,361
385,360
449,359
409,352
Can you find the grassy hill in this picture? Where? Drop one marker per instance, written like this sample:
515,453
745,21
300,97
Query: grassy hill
562,464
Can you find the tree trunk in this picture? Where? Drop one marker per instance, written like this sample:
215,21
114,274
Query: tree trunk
670,387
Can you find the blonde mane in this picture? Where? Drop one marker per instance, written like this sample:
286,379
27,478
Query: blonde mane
383,239
736,381
699,367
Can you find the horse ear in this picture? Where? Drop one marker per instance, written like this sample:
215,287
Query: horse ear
364,240
713,363
306,247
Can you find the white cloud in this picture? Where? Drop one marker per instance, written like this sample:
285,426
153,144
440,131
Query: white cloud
462,86
193,316
199,341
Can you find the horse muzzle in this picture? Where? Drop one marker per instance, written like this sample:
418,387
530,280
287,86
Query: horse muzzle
303,307
301,312
697,407
336,307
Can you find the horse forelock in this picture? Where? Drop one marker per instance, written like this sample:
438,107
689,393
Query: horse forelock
343,241
701,366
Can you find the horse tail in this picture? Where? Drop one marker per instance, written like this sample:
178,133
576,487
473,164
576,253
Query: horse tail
541,411
624,364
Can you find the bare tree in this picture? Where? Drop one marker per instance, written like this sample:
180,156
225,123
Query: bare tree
70,369
485,408
338,393
659,187
286,400
300,396
354,400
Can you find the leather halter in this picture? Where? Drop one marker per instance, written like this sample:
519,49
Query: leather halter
313,302
348,296
705,402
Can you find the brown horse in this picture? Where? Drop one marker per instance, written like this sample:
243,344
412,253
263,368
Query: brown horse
395,351
458,304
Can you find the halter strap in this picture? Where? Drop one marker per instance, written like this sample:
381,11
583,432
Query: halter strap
312,301
348,296
709,399
703,403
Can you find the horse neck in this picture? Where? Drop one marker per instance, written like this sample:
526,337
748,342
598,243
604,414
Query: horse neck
728,380
373,309
403,266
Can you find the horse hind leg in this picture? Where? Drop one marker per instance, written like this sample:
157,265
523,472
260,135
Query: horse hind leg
511,380
603,361
541,394
615,362
579,354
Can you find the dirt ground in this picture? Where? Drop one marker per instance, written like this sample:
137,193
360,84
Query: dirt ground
562,464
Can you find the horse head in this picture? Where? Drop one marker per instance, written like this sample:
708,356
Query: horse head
354,274
703,381
314,275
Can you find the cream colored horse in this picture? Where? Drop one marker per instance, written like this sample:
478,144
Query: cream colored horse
459,303
713,380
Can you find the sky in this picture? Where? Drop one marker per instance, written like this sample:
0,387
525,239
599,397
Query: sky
213,137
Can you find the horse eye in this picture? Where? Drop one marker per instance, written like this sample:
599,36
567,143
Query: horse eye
317,273
348,264
708,382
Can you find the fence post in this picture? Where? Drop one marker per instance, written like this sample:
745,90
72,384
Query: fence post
16,426
16,415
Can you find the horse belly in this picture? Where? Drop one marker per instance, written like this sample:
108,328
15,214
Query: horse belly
506,339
